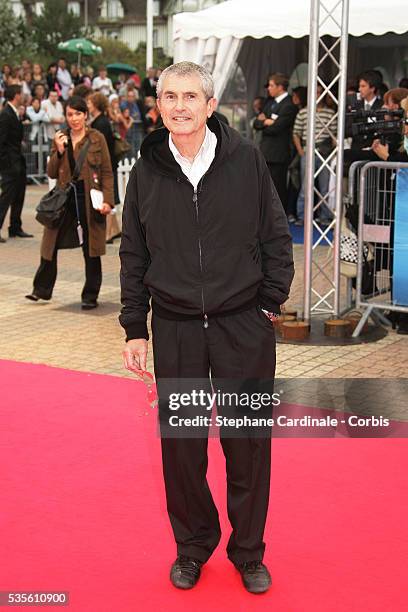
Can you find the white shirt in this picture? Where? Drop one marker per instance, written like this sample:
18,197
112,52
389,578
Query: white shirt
281,97
65,82
196,169
103,85
54,111
368,105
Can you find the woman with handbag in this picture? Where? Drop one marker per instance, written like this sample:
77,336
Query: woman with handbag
78,153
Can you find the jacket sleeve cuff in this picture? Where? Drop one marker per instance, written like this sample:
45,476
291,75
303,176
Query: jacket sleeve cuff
270,306
136,331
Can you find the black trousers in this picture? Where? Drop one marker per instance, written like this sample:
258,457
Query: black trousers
279,176
236,349
13,187
46,275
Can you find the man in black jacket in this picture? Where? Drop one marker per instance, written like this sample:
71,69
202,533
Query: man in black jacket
276,122
205,236
12,164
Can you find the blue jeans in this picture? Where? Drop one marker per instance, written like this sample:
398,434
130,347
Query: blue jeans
135,137
324,213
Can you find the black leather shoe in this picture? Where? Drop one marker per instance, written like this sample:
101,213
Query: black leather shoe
19,234
185,572
255,576
89,305
34,297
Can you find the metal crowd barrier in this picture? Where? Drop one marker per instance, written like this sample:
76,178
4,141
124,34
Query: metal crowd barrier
351,199
375,272
35,153
123,171
124,168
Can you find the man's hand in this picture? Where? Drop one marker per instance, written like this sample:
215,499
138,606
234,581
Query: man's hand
261,117
268,122
135,355
381,150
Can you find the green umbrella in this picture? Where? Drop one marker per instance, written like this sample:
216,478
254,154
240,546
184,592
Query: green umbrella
121,68
82,46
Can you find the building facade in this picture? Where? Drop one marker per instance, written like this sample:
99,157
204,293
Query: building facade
124,20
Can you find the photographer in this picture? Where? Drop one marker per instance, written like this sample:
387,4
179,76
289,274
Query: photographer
368,86
393,100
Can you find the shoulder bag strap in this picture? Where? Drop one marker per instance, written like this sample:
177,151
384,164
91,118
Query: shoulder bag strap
80,161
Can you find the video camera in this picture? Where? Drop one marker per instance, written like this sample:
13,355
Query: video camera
384,124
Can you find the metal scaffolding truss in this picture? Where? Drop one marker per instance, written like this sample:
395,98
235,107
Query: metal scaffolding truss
326,56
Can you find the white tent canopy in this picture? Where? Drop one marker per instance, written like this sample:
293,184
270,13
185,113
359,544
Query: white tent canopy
214,36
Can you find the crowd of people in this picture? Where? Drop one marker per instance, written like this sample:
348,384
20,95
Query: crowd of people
125,111
87,124
279,127
130,102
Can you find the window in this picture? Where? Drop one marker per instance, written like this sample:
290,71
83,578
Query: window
112,9
74,8
38,8
156,8
18,8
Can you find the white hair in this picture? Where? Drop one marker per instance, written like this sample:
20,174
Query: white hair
184,69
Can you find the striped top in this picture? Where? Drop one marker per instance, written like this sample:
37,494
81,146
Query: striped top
323,116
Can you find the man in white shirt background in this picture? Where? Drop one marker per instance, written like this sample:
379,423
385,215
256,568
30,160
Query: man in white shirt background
64,78
103,83
53,107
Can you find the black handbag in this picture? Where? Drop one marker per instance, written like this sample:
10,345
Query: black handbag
51,208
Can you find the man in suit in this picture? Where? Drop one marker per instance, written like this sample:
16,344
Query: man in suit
276,122
368,87
149,83
12,163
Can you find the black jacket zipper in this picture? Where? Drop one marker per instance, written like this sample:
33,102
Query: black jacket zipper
195,202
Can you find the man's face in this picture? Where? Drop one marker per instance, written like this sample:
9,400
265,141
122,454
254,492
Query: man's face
103,74
131,97
17,100
150,102
53,97
151,73
39,91
366,91
183,104
62,64
274,90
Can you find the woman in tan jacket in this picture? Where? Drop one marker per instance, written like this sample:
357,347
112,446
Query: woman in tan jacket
96,173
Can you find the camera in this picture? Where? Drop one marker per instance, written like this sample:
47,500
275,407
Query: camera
384,124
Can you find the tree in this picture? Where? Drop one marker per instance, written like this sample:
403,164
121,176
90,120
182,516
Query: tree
114,51
55,24
16,39
160,60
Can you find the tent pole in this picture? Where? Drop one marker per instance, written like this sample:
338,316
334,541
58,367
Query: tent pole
341,124
322,279
310,156
149,34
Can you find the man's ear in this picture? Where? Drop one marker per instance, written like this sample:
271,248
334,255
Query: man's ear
211,106
158,104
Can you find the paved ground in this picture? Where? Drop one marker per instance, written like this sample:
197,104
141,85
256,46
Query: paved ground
60,334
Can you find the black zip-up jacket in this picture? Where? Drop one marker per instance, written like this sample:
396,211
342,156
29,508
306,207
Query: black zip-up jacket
216,251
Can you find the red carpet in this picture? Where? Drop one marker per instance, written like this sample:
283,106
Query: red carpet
83,510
